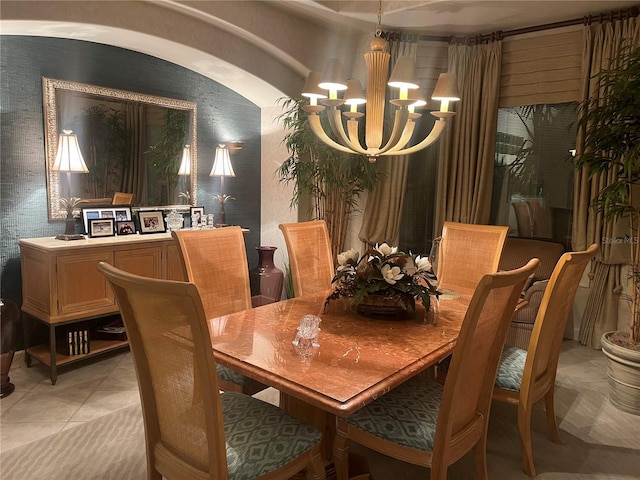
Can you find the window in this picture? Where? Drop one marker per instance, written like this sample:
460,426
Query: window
418,210
533,176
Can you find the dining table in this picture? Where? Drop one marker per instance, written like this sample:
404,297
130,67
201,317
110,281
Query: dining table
353,360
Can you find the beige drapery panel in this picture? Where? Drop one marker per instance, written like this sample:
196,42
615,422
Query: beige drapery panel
465,171
601,42
383,210
134,177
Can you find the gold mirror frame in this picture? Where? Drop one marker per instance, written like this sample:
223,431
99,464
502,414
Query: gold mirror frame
51,86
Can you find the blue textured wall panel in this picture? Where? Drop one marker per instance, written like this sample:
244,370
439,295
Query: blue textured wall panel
223,116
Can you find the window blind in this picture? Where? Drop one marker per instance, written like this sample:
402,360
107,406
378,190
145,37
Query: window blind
543,67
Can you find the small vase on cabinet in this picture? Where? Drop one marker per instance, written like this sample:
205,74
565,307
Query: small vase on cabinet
266,279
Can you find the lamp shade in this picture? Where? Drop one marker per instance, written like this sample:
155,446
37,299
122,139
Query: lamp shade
333,77
311,88
185,164
404,74
446,88
354,94
222,164
69,157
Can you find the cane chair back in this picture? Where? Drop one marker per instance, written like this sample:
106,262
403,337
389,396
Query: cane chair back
431,425
310,258
526,376
467,252
215,260
191,430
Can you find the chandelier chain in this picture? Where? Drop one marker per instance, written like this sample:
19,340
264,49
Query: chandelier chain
379,26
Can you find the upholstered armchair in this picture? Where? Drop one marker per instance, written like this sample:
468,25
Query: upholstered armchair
516,253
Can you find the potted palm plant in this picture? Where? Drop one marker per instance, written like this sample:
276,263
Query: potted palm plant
333,180
612,147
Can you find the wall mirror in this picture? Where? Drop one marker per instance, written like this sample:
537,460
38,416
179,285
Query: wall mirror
131,142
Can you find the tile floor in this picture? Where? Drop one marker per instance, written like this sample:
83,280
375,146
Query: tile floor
84,392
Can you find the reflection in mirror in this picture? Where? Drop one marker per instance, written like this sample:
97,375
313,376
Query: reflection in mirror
132,143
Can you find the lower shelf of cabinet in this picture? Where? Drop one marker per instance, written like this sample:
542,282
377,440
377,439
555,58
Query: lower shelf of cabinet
43,354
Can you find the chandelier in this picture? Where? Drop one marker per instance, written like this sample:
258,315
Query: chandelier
402,80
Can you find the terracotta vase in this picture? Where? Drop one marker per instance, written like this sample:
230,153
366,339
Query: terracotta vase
266,279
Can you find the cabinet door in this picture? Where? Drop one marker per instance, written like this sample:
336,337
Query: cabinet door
146,261
175,269
81,287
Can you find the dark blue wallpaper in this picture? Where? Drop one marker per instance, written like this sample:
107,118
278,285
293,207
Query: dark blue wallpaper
223,116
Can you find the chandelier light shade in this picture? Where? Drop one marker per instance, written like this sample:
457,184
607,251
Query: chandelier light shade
324,89
185,163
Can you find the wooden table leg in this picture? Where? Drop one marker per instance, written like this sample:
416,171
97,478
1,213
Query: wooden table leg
326,423
323,421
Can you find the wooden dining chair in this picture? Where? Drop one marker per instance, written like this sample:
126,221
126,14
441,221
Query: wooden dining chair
122,198
432,425
527,376
467,252
191,429
310,258
215,260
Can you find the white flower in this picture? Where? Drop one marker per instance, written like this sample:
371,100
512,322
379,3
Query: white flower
385,249
391,274
348,257
422,263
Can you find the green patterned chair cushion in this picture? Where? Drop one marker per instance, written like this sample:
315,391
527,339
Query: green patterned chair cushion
511,368
407,415
261,437
231,376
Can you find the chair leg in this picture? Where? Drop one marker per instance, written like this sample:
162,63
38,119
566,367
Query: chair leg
152,473
438,472
554,433
480,458
341,450
524,428
315,470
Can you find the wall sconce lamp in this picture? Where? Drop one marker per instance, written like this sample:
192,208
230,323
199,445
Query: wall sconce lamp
69,160
222,168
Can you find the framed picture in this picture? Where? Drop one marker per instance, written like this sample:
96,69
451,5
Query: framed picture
126,227
117,213
101,227
199,215
151,221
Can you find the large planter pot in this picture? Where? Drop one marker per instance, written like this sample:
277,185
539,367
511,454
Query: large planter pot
623,371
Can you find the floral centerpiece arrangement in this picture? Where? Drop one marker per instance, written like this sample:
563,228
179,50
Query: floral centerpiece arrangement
384,276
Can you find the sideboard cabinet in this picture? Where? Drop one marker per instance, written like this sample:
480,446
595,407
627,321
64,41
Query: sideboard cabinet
62,286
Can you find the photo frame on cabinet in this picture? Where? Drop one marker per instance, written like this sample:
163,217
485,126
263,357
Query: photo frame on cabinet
127,227
116,212
199,212
101,227
151,221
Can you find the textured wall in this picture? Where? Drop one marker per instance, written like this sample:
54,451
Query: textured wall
222,116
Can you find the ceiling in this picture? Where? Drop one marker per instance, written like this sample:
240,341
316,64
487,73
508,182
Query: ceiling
451,17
